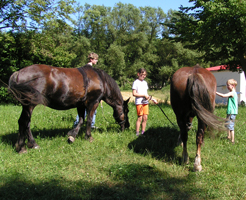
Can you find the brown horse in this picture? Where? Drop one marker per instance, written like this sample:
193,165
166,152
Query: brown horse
62,89
193,91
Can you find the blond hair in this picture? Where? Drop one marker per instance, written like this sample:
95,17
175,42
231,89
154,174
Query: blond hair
92,56
232,82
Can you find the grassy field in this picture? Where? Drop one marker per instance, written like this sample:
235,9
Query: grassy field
118,165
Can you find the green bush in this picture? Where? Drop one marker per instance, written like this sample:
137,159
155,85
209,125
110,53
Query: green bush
6,97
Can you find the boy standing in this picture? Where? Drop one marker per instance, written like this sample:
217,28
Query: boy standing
232,107
92,60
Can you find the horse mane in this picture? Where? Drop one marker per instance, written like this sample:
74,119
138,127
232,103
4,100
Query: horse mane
112,88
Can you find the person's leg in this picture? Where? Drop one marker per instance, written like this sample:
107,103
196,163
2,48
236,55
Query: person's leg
85,113
139,120
232,136
228,134
228,121
76,121
139,109
94,119
145,118
233,117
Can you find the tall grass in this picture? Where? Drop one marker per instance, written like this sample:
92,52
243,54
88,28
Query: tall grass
118,165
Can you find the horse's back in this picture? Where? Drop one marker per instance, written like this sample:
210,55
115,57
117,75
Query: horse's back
190,85
181,76
61,87
39,71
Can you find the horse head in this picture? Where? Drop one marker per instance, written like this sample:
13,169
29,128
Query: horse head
126,111
121,115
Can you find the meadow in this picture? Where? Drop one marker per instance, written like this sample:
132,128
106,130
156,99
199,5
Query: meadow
118,165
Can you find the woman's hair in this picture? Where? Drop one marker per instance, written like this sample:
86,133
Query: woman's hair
232,82
92,55
142,70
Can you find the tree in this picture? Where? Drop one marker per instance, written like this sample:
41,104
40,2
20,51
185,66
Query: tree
170,57
216,27
34,14
11,15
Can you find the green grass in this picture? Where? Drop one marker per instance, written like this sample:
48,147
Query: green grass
118,165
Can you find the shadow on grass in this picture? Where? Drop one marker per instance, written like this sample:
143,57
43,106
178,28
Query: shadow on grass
132,181
160,142
11,138
44,133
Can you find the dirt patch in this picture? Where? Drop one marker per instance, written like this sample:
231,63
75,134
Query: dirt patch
126,95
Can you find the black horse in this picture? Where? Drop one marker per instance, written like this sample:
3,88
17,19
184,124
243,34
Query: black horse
62,89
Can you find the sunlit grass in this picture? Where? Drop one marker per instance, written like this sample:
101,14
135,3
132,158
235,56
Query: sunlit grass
118,165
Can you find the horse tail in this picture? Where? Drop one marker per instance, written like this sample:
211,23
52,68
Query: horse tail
24,92
201,103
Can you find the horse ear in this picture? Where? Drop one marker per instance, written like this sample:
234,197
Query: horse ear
127,100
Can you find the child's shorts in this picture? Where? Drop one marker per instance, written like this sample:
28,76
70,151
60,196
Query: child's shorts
142,109
231,122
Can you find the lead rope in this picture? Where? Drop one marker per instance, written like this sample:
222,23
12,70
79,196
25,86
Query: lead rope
165,115
149,100
162,111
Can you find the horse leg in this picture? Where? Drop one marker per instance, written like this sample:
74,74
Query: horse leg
183,137
189,122
199,141
74,132
90,114
24,130
31,142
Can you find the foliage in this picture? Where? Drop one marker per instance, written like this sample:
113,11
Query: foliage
20,15
6,98
52,48
11,15
216,28
62,34
118,165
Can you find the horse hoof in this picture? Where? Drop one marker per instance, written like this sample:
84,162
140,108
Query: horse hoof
197,168
23,150
32,145
185,161
20,148
70,139
91,139
36,147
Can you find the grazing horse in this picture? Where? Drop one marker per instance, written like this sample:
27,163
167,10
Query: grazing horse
193,91
62,89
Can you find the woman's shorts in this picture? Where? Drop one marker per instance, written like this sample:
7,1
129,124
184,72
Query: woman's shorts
231,122
142,109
